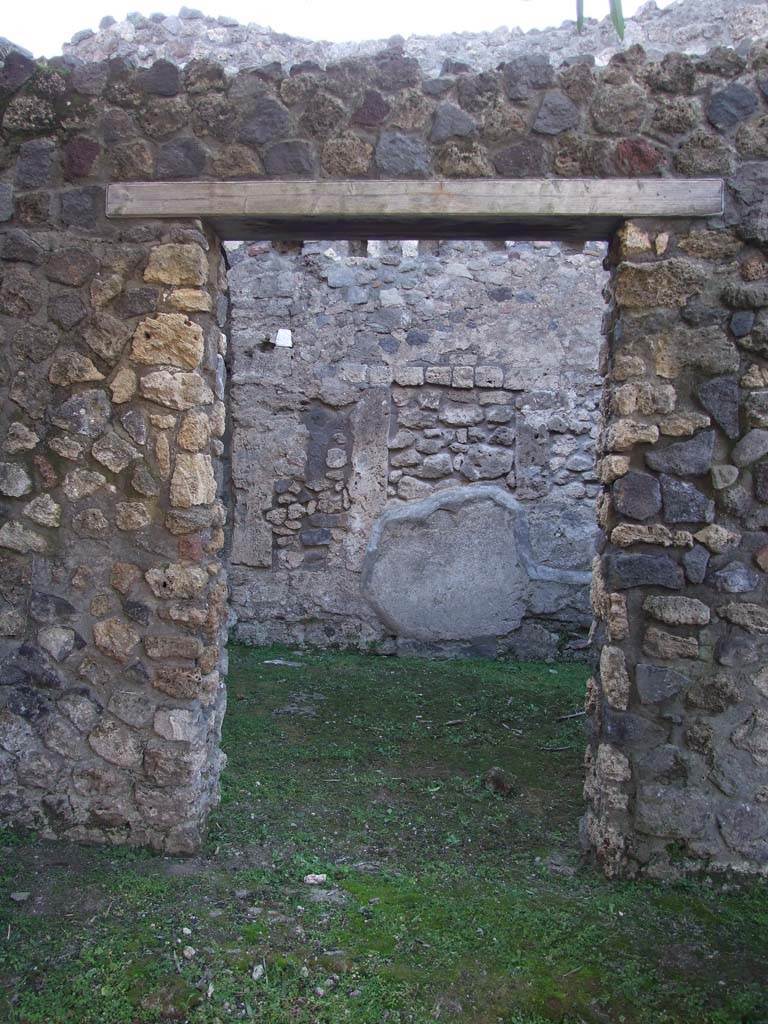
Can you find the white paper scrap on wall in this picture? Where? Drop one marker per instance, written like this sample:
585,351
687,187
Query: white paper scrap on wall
284,338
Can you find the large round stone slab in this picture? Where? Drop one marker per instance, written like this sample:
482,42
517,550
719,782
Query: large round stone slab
455,566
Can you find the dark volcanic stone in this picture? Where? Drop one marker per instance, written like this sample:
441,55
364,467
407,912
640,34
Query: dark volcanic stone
760,477
626,571
454,67
315,538
655,683
416,338
698,313
372,110
182,521
48,609
476,92
15,70
723,61
117,125
695,563
6,201
752,295
731,105
33,342
162,79
745,829
436,86
734,501
742,323
267,121
753,446
182,158
67,310
672,812
401,156
684,503
86,413
523,159
138,611
556,114
201,76
685,458
736,649
451,122
735,578
521,74
720,397
36,164
637,495
33,209
394,71
136,302
27,702
292,159
625,728
135,425
79,155
82,207
90,79
18,246
72,266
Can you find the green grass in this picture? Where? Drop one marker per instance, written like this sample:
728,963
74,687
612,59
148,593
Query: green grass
444,900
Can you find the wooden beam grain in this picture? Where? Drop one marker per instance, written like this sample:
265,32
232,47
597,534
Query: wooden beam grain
538,202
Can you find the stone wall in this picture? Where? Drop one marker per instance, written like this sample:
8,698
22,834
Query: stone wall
688,26
109,720
113,597
414,368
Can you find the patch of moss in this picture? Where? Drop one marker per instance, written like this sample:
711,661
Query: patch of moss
445,898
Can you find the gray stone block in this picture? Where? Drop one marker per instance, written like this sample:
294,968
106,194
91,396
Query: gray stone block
695,563
556,114
684,503
655,683
730,105
735,578
401,156
6,201
456,566
450,122
684,458
753,446
627,571
637,495
720,397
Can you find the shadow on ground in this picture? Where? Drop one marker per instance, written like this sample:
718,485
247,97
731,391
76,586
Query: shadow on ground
441,802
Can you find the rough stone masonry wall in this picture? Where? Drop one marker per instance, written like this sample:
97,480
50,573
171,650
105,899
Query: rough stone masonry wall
112,593
678,760
680,771
688,26
468,364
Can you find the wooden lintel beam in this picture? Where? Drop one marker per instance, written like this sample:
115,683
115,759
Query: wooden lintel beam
528,200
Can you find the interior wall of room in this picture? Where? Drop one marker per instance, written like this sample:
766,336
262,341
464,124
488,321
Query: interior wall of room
415,368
